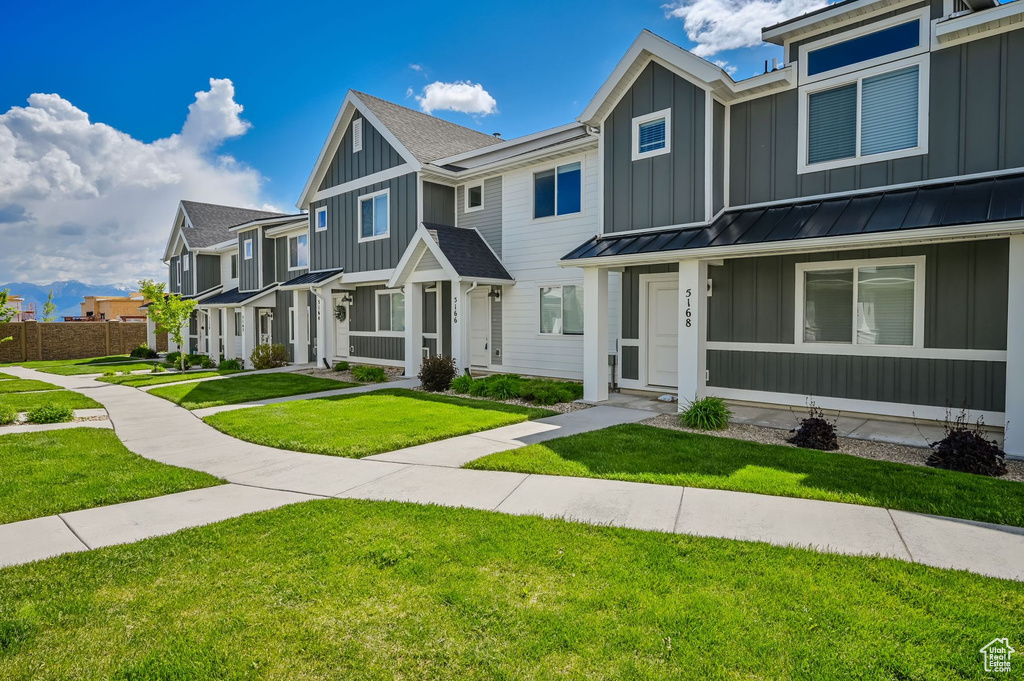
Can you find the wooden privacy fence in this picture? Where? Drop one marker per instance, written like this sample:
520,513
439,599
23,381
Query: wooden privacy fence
69,340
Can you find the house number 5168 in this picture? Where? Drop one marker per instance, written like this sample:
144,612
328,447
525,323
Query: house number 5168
689,312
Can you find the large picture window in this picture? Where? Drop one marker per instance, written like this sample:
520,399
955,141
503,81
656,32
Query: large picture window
864,303
390,311
561,310
558,191
374,216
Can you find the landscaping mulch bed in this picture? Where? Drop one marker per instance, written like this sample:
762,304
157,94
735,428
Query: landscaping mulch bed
394,374
866,449
561,408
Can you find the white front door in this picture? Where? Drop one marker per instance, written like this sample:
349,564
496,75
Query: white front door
663,333
339,312
265,327
479,329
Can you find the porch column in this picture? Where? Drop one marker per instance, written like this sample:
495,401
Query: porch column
213,333
324,327
229,333
1014,435
460,325
413,328
301,349
693,303
595,334
248,333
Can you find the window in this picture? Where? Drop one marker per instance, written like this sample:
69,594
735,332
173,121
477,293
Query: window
869,303
320,219
561,310
474,197
234,266
558,191
373,216
390,311
247,246
873,116
298,251
888,41
238,323
357,135
184,262
651,134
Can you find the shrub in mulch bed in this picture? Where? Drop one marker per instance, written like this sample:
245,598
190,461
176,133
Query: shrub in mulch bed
51,413
816,432
709,413
144,352
369,374
967,450
436,373
230,365
539,391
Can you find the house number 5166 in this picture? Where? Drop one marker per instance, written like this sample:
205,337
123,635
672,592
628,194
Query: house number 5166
689,312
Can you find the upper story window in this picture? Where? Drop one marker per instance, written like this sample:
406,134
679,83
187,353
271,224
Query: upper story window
184,262
651,134
374,216
234,266
862,303
247,248
558,191
883,43
298,251
390,311
561,310
357,135
320,219
474,197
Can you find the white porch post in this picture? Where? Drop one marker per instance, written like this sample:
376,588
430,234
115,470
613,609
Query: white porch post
213,333
229,333
413,328
693,303
1014,436
324,327
248,333
460,325
301,349
595,334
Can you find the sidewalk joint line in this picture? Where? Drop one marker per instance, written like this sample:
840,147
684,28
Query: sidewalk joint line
498,505
72,530
377,479
679,511
900,535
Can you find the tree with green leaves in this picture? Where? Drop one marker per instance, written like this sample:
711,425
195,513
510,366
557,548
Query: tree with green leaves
168,311
49,308
6,313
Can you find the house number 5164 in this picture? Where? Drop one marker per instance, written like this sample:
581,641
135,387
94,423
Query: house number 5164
689,312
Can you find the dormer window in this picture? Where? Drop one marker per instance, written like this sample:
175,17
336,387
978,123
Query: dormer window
247,249
652,134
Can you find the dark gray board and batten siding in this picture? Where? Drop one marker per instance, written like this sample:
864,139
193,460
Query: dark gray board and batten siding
248,270
974,108
283,305
630,354
663,190
187,286
486,220
363,319
172,275
207,271
283,254
377,155
438,204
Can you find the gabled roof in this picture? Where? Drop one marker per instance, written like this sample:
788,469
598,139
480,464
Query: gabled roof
461,252
992,201
209,224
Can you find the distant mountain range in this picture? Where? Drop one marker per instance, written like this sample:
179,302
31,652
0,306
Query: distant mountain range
67,294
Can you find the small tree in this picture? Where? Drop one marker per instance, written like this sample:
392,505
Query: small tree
6,313
49,308
168,311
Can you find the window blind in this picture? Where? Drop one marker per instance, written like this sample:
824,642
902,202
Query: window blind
889,112
652,135
832,124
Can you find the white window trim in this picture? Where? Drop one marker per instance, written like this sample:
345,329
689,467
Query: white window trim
184,262
376,313
247,248
359,209
233,265
560,286
465,198
918,261
296,237
921,61
583,191
924,42
316,220
646,118
357,135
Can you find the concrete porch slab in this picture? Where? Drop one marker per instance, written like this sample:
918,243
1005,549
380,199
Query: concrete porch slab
30,540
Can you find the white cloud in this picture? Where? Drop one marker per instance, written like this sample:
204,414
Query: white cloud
718,25
725,66
83,200
416,67
465,97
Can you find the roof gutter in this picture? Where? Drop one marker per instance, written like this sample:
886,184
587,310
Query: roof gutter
524,159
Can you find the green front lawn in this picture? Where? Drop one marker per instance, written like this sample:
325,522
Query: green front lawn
143,380
4,377
27,401
371,423
647,454
35,364
66,470
340,589
95,367
245,389
24,385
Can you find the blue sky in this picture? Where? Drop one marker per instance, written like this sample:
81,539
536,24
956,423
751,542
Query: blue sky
137,68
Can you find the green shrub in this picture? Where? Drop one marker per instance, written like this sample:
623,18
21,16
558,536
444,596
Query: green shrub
436,373
173,357
342,366
479,387
157,369
203,361
126,372
8,414
369,374
545,392
710,413
462,384
51,413
143,352
267,356
231,365
110,372
504,386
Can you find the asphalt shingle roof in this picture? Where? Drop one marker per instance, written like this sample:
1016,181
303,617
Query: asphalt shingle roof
428,138
467,251
210,222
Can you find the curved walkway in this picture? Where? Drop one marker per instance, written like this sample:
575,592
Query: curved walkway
262,477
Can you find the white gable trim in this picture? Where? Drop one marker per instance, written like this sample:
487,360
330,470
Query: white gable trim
170,246
349,106
420,243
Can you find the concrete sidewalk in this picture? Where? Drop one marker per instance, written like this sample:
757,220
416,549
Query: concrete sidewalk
402,383
427,474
